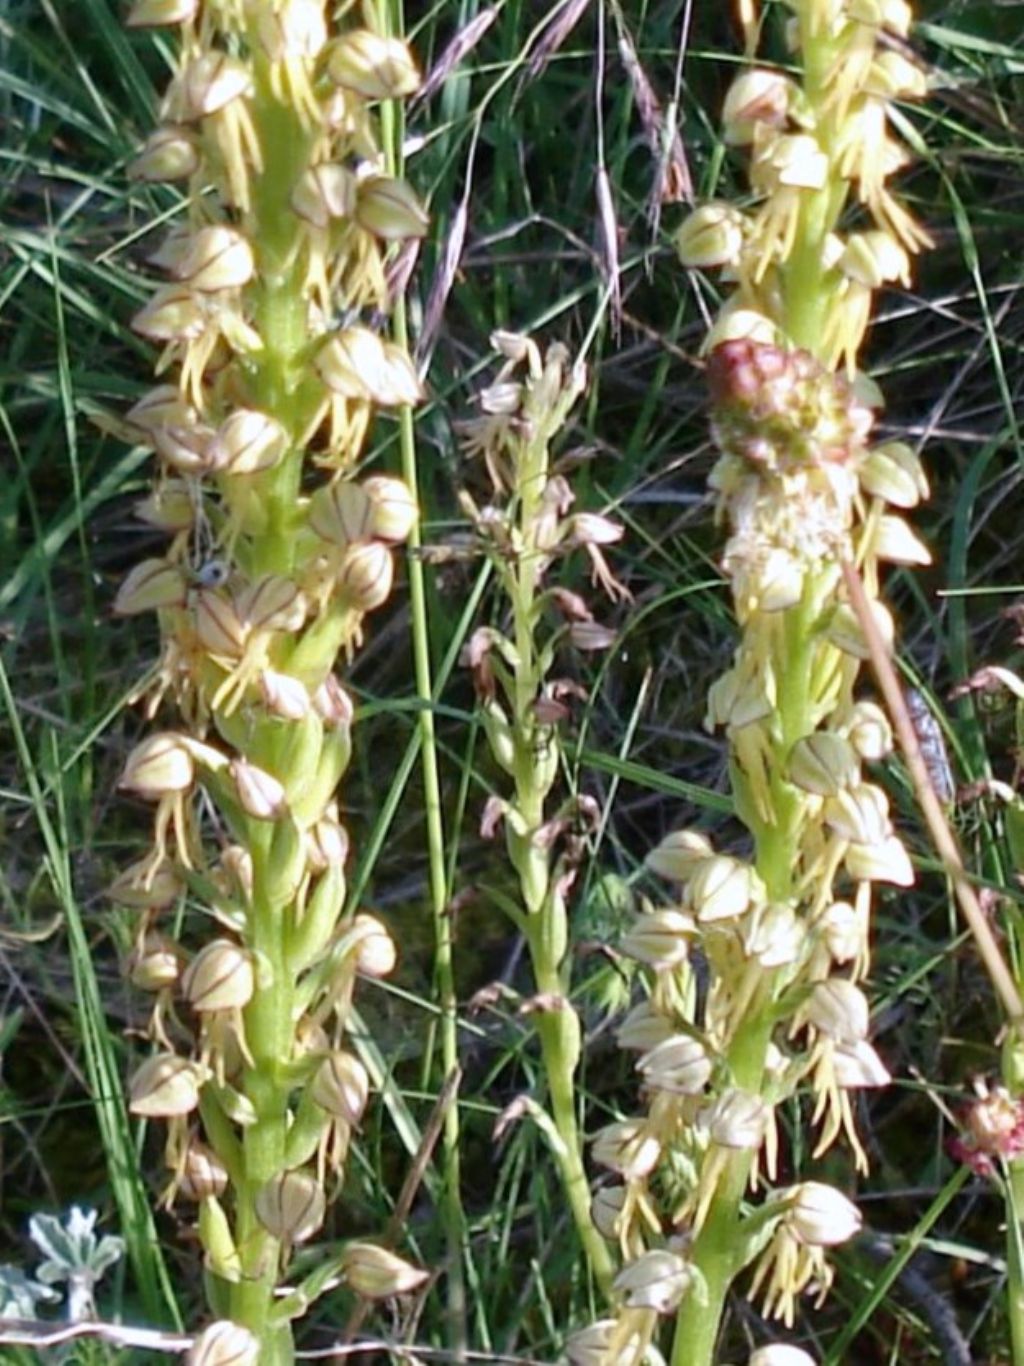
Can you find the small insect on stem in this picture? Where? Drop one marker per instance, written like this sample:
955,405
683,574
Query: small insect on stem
933,746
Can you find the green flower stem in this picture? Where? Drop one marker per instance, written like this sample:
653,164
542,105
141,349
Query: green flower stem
714,1252
547,929
1015,1257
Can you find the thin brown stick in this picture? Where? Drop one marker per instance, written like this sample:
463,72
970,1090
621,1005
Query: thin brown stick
935,818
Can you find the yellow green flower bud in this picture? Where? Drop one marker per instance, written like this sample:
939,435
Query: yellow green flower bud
723,888
661,939
738,1119
606,1210
374,66
224,1344
838,1009
151,585
821,1216
341,512
655,1280
884,862
390,209
860,814
366,575
220,629
260,795
168,154
291,1206
203,1174
161,764
211,82
247,442
679,1064
823,763
341,1087
377,1274
375,952
868,731
710,236
324,193
220,977
893,472
156,963
679,854
217,258
393,511
626,1147
164,1087
160,13
757,98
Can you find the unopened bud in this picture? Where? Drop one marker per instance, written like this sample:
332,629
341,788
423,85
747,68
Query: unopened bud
260,795
655,1280
643,1029
842,931
371,65
626,1147
661,939
838,1009
210,83
845,632
273,603
823,763
220,629
160,765
249,441
860,814
592,1346
142,887
332,703
393,510
366,575
874,258
291,1206
220,977
342,1087
164,1087
893,472
390,209
285,696
678,855
158,13
173,314
821,1216
710,236
738,1119
377,1274
294,30
224,1344
894,542
869,732
756,97
857,1066
323,193
606,1210
779,1354
218,257
150,586
884,862
680,1064
156,965
375,952
341,513
723,888
168,154
203,1174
